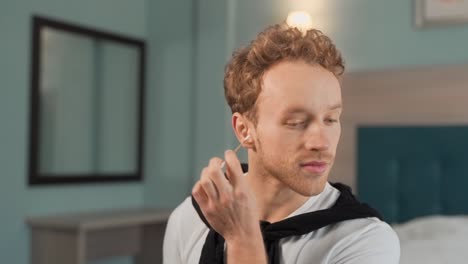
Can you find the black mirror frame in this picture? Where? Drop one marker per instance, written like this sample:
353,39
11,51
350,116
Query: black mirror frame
34,177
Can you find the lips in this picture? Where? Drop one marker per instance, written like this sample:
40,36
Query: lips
315,166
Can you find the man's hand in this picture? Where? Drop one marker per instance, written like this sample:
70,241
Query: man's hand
230,207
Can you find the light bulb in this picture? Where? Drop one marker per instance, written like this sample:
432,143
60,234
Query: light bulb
300,20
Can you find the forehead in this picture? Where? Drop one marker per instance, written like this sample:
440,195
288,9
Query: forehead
298,85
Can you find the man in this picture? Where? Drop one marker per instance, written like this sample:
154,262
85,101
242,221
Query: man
285,96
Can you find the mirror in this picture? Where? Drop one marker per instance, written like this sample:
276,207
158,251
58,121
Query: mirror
87,90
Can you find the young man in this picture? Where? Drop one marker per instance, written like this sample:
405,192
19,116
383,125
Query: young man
285,96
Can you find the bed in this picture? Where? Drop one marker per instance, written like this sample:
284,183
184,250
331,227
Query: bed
417,177
434,239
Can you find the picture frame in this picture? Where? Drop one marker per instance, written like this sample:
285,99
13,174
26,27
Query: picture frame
430,13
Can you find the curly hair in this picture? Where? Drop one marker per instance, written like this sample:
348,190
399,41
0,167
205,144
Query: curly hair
244,72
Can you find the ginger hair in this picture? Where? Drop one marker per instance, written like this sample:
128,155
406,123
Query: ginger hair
244,72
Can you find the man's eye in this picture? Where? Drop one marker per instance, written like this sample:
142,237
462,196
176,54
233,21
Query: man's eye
331,120
296,123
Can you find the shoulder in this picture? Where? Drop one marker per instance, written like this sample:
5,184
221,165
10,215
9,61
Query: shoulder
184,219
366,240
363,228
185,234
185,208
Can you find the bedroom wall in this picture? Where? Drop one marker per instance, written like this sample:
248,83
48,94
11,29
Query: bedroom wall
372,34
186,122
17,200
170,93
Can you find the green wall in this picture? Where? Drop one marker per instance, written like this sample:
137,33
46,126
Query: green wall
372,34
169,109
17,200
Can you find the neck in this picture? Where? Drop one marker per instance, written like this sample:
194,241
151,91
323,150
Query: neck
275,200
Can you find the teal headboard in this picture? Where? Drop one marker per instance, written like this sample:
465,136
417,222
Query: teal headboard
406,172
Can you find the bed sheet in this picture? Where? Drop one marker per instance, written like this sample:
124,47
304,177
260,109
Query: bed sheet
434,239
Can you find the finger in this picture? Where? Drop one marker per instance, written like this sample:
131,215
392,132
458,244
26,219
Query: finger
215,163
207,184
233,168
199,194
221,183
218,178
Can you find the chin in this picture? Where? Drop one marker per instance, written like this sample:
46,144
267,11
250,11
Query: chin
310,188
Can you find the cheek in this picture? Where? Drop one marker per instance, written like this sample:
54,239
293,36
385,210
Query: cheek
279,138
334,137
274,140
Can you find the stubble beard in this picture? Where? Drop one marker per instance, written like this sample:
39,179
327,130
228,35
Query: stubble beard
288,172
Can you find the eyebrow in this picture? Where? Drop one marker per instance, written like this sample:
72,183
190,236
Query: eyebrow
335,106
296,110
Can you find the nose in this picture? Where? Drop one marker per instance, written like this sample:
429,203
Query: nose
316,138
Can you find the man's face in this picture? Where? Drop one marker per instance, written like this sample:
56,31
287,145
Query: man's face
298,126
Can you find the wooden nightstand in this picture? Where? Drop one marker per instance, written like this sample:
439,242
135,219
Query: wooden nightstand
82,237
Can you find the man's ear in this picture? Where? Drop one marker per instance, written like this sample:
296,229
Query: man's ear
243,129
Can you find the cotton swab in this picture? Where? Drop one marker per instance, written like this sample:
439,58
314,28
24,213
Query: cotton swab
236,149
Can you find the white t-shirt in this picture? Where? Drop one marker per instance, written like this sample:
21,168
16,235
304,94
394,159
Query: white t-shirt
358,241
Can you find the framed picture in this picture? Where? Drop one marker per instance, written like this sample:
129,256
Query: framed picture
440,12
